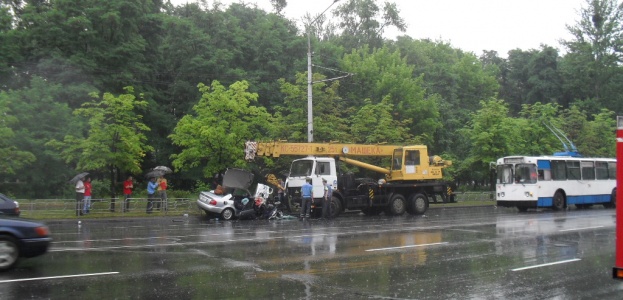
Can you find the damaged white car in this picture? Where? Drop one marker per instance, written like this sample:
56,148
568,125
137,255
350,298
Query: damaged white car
235,201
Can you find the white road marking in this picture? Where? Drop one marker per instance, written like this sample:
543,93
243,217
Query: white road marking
58,277
545,265
584,228
465,230
402,247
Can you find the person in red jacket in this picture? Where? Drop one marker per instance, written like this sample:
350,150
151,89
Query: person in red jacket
87,196
128,185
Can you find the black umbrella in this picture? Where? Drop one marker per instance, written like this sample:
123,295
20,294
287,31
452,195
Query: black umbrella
154,174
78,177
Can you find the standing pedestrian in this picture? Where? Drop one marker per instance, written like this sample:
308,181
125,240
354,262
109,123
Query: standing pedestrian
281,195
162,191
151,191
326,199
306,202
128,185
87,195
79,196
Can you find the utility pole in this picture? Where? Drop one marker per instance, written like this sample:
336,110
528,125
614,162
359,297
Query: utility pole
310,115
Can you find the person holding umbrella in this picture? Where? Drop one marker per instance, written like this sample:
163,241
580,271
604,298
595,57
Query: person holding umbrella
162,191
79,196
151,190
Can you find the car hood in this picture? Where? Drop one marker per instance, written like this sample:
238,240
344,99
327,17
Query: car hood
237,178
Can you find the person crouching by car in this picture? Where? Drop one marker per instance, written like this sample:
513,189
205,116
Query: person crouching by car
306,194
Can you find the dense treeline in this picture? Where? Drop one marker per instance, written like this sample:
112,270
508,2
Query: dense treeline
117,87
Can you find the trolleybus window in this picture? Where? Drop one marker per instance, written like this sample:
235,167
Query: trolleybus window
573,170
559,170
505,174
601,169
588,170
525,173
612,170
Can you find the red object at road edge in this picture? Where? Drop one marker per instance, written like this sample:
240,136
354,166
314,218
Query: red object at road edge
617,271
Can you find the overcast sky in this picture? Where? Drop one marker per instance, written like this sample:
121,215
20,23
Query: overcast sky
472,25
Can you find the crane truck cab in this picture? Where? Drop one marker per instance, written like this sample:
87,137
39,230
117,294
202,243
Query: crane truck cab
315,168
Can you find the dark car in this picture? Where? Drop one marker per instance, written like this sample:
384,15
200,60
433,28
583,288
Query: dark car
8,206
21,238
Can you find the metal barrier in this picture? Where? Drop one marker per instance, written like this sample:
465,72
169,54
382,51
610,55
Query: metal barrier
474,196
105,206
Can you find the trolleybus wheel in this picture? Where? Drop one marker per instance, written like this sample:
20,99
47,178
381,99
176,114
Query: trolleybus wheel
613,200
559,201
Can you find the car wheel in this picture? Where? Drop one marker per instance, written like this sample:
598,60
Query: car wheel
227,214
9,252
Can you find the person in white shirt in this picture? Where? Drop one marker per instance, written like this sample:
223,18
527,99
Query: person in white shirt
79,196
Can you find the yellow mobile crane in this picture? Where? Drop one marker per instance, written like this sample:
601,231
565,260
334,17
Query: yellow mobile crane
411,180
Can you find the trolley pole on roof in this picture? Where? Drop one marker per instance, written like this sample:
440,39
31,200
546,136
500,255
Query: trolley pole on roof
617,271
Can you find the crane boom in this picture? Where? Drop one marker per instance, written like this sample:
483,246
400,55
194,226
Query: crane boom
278,148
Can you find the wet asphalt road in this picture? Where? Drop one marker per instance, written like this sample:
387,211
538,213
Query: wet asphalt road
451,253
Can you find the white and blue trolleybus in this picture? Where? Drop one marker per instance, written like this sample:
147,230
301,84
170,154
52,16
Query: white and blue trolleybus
555,182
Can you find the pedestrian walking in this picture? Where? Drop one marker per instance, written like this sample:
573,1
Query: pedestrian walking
152,185
307,200
79,196
87,195
128,185
162,191
326,199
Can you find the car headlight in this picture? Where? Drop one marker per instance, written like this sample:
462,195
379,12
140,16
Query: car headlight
528,194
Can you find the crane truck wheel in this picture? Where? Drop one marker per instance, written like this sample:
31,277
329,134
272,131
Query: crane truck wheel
397,206
336,207
418,204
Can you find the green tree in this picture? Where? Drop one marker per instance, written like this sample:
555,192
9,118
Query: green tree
384,74
329,112
213,136
592,137
600,134
493,134
115,138
538,139
370,125
13,158
527,77
592,66
363,22
40,118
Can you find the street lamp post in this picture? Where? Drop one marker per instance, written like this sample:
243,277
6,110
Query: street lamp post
310,115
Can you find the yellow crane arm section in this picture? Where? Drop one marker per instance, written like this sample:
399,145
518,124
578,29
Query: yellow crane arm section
277,148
